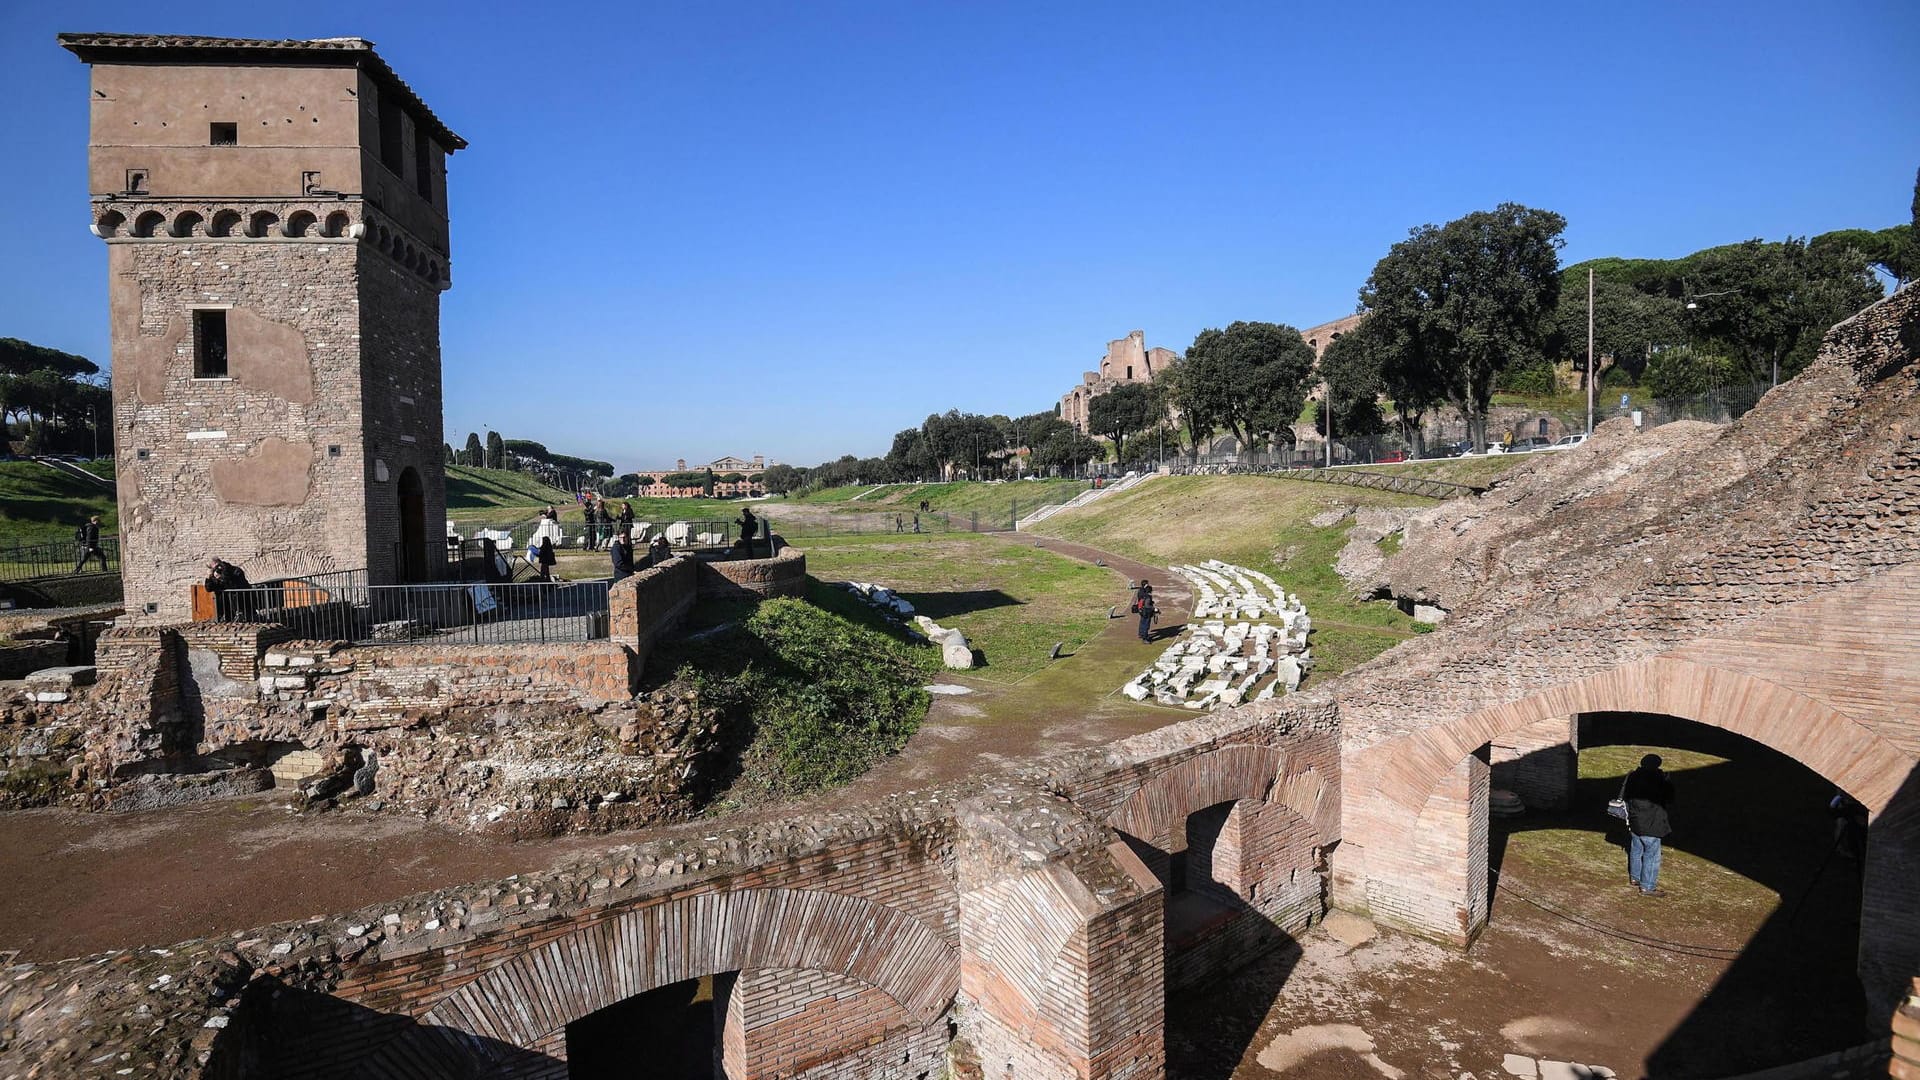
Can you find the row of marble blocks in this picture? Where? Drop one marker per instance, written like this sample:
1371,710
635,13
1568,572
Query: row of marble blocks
1247,641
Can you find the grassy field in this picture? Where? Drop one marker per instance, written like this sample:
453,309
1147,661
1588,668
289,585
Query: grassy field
1260,522
1013,602
958,497
39,505
1479,469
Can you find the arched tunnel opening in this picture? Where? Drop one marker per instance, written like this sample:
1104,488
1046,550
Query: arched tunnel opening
1755,929
672,1032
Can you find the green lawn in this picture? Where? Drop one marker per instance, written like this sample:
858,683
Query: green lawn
957,497
1479,469
39,505
1013,602
1260,522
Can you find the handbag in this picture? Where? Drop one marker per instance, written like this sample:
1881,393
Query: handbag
1617,807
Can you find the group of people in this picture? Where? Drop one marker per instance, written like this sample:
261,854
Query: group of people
601,521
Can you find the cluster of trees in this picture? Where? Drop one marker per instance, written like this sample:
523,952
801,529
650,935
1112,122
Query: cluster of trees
1458,310
55,402
525,455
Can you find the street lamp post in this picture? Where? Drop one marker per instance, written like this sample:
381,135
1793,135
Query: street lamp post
1590,350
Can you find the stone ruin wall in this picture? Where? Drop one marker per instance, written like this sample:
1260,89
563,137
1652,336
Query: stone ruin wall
1759,576
990,923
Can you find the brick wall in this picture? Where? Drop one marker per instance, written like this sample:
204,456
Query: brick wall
645,607
783,575
1539,762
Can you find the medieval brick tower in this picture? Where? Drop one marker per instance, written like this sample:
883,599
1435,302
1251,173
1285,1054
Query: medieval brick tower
275,215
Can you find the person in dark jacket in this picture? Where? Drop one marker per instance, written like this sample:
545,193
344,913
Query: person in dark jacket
1142,593
749,526
591,516
544,558
1648,793
87,539
659,551
621,551
626,519
1147,614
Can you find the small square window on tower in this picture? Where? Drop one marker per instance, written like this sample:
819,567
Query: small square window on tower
223,134
210,344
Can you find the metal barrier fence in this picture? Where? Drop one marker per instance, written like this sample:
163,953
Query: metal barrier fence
446,613
57,559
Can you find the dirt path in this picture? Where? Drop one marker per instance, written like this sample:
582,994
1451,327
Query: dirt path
1073,703
73,883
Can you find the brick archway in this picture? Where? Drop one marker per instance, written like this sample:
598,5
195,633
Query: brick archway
1158,809
1856,759
526,1001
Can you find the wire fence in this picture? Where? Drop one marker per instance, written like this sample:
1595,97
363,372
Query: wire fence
62,558
328,607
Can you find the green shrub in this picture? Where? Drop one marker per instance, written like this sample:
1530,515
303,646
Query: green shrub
815,698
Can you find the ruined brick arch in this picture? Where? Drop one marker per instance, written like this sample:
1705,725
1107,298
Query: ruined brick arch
186,223
337,224
1856,759
299,223
148,223
262,223
224,223
527,1000
1157,812
109,224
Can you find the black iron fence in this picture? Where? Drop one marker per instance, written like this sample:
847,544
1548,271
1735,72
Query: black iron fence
62,558
341,608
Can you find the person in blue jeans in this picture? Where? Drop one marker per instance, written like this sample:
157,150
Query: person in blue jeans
1649,793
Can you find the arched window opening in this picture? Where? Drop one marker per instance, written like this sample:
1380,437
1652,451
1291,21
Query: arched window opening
262,223
337,224
185,223
300,223
149,223
224,222
110,223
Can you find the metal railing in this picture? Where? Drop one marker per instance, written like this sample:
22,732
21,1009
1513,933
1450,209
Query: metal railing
28,562
451,613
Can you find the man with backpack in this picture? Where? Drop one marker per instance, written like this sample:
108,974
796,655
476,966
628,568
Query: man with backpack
87,539
1147,614
1648,793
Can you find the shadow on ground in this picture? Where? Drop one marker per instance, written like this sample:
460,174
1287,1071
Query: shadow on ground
1784,916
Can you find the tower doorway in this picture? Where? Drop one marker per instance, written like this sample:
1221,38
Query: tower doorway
412,558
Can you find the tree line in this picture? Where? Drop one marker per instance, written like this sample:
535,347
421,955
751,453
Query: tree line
1453,313
52,402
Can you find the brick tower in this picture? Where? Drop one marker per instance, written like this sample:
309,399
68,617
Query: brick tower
275,215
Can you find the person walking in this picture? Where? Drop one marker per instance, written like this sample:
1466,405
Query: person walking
899,523
621,551
1648,793
544,558
1147,614
87,539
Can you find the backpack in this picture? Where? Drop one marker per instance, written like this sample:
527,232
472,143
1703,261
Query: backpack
80,535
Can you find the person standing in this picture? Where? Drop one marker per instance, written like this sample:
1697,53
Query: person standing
1648,793
749,525
87,539
1142,593
1147,614
621,550
659,551
544,558
591,536
626,519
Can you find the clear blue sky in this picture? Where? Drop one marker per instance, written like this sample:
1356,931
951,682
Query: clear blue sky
790,228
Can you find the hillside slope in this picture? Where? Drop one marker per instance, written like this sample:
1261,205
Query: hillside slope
39,505
1262,522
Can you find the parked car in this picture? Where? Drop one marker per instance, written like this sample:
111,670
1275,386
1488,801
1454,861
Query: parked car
1566,441
1523,446
1393,458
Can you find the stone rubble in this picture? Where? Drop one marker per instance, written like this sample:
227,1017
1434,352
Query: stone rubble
1246,633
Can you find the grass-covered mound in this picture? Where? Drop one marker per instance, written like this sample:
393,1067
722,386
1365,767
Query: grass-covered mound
810,693
39,505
